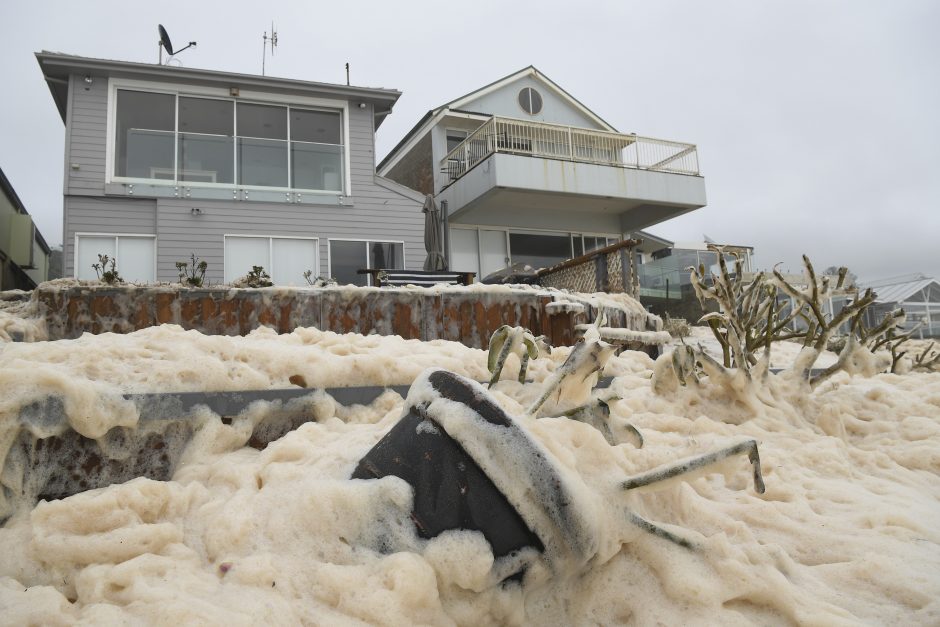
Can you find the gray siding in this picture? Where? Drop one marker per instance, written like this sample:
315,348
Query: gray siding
180,233
87,136
373,210
105,215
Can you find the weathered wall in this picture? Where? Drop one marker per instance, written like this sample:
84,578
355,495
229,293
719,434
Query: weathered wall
467,317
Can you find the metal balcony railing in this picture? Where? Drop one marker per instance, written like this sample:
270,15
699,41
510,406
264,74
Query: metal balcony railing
568,143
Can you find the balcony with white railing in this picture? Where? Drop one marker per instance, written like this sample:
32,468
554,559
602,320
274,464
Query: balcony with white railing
508,167
568,143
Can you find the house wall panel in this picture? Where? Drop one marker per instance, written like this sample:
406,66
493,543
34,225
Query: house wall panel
555,109
105,215
370,211
86,139
181,232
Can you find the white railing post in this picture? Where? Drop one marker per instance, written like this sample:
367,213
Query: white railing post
570,145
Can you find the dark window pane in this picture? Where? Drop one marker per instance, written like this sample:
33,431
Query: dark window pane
262,121
205,158
144,135
593,243
386,255
317,166
530,100
454,139
262,162
345,259
536,101
539,251
138,109
315,126
578,245
201,115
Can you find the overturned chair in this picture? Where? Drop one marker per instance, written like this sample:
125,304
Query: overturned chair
475,467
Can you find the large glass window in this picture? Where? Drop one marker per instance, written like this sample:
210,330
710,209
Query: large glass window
316,150
262,145
348,257
145,134
539,251
216,140
205,140
285,259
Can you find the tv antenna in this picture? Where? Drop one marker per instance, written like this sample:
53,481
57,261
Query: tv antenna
264,48
165,44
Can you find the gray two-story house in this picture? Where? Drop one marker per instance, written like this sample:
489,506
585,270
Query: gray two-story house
162,162
527,173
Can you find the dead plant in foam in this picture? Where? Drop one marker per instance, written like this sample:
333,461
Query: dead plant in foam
927,360
751,319
193,273
257,277
676,327
579,374
106,269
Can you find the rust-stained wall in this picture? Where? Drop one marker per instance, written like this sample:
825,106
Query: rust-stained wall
467,317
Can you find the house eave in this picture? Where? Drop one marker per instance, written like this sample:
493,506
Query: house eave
57,67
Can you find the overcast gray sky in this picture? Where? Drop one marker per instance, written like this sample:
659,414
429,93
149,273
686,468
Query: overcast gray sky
818,123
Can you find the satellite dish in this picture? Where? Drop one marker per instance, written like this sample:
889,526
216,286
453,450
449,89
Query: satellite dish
165,40
165,44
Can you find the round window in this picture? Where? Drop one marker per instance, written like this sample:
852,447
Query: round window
530,101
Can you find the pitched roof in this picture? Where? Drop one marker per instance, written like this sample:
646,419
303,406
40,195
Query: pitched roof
899,289
455,106
535,73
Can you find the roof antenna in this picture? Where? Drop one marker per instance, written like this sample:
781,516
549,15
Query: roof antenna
264,47
347,73
165,44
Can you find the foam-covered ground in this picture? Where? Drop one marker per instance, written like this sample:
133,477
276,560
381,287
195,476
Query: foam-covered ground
846,532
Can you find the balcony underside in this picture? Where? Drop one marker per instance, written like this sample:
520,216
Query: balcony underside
520,191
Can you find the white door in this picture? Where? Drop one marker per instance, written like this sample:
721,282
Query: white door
89,247
290,258
285,259
464,253
241,253
495,256
135,258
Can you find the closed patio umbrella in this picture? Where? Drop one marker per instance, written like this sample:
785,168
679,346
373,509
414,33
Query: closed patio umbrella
433,242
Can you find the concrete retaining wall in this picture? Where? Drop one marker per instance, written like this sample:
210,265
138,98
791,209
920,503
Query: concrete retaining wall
468,316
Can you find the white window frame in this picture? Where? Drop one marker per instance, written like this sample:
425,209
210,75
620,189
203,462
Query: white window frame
452,129
329,251
523,231
519,104
271,238
223,93
116,237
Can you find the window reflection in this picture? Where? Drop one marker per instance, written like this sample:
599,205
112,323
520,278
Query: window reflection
348,257
214,140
